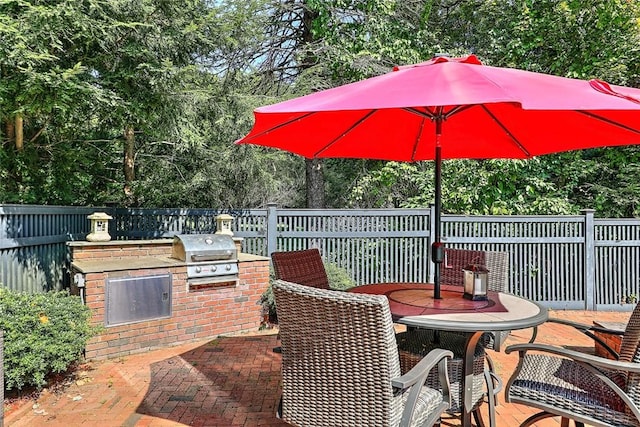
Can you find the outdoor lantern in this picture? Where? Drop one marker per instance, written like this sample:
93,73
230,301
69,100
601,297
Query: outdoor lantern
99,227
223,222
475,282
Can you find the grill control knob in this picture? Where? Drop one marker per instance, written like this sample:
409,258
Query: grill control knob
228,267
198,269
208,241
213,268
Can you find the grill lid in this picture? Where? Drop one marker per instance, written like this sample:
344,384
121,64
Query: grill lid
203,247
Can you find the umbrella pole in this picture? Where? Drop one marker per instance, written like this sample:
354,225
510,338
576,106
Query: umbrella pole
437,249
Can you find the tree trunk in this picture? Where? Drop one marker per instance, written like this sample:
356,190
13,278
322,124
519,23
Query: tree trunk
315,183
19,131
129,161
9,130
314,167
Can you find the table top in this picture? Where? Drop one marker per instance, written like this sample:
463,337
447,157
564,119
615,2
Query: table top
413,304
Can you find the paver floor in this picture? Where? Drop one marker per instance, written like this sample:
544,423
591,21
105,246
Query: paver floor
230,381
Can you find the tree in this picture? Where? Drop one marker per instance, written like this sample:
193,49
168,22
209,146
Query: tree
197,164
139,102
598,39
45,95
107,73
568,38
143,63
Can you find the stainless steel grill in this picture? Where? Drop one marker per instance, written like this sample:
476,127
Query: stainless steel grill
210,258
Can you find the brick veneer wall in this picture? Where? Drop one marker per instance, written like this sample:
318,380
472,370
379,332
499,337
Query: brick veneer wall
613,341
197,313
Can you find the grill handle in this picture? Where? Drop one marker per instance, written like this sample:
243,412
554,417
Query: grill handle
211,256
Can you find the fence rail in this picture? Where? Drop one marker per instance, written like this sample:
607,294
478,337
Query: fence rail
33,249
564,262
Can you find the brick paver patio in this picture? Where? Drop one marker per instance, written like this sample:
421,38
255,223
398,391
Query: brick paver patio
230,381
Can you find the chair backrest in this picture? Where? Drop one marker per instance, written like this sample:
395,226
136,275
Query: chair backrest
629,351
339,355
456,259
498,265
304,267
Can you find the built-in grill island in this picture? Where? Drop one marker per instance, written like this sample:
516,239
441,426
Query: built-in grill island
156,293
210,258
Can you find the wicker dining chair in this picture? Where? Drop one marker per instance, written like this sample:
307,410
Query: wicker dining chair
416,343
496,262
578,386
498,280
304,267
340,363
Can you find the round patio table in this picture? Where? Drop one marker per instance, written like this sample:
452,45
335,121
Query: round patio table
412,304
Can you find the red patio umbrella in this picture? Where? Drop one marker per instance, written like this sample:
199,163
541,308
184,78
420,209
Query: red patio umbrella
450,108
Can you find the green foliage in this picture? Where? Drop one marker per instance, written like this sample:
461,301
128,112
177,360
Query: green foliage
339,278
487,187
43,334
569,38
187,75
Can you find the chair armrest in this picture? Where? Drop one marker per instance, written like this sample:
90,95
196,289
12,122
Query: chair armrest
601,362
589,330
583,327
421,369
415,379
594,364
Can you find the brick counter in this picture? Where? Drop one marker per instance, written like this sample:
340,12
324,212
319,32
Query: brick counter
197,312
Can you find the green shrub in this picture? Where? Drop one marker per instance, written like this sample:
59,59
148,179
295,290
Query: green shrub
43,334
338,279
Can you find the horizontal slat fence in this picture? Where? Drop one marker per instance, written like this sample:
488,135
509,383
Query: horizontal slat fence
33,249
617,261
546,253
572,262
369,244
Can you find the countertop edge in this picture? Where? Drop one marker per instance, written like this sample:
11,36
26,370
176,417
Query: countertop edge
140,263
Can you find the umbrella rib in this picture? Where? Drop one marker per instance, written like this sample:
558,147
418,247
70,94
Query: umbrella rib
611,122
415,145
504,128
432,115
349,129
288,122
428,113
458,109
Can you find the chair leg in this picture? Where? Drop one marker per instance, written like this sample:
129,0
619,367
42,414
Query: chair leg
491,402
478,419
537,417
491,368
491,397
279,410
564,422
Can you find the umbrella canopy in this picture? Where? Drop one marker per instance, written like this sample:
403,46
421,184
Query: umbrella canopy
450,108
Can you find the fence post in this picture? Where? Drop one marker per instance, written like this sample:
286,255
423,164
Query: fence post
432,226
589,259
272,228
